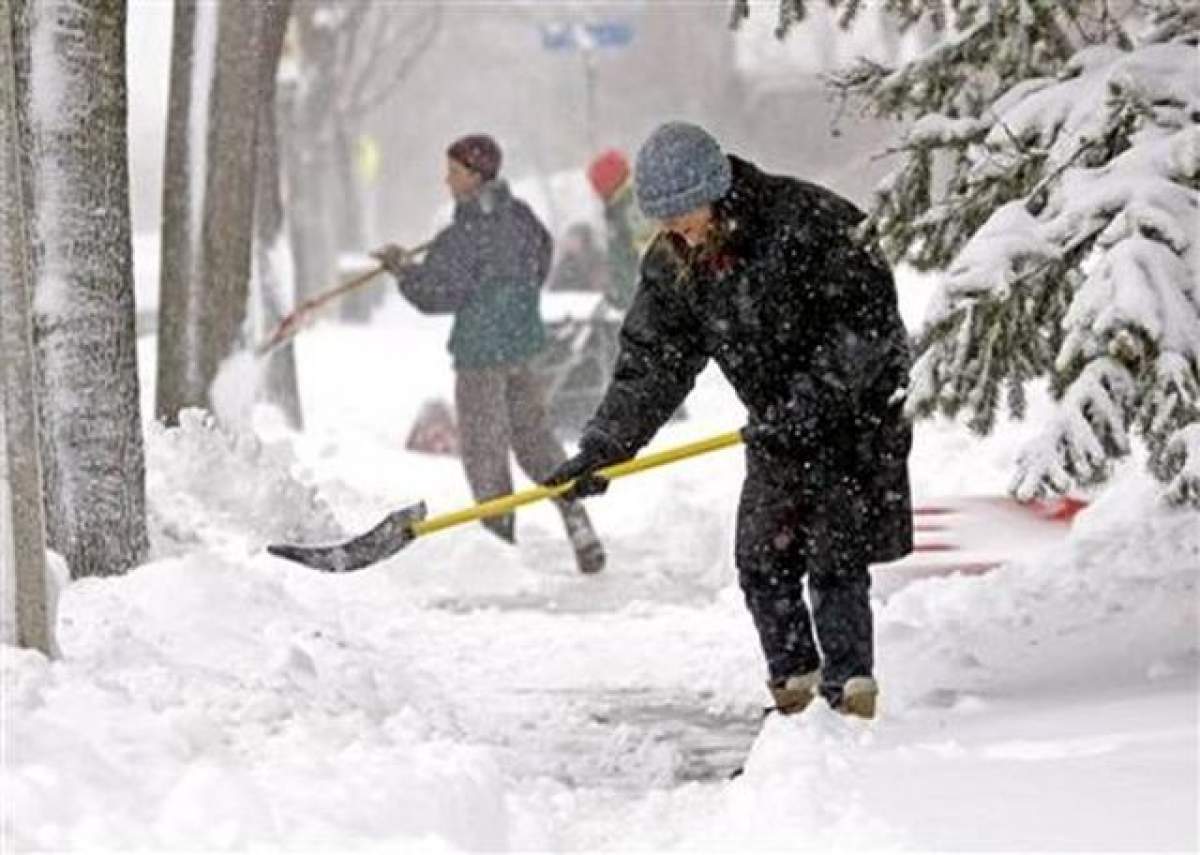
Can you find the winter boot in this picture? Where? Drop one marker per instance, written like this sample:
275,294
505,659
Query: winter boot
589,552
793,694
858,697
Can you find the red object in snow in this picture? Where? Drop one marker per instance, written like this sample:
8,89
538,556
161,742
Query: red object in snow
935,546
434,431
971,535
1059,509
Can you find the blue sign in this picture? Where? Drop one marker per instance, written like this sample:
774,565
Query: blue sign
603,34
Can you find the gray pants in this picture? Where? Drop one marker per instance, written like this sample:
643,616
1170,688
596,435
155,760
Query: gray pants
502,408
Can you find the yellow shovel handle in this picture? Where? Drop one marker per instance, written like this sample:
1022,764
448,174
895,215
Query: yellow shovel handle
504,504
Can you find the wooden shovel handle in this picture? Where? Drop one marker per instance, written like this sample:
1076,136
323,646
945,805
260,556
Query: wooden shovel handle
305,312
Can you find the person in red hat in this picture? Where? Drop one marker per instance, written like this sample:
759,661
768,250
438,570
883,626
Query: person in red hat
487,268
628,233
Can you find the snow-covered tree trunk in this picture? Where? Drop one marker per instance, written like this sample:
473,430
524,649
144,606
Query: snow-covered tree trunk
72,97
22,535
178,375
280,384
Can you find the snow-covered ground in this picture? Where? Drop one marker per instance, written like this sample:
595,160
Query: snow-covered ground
467,695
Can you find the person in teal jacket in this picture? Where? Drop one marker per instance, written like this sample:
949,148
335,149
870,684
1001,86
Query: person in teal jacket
487,268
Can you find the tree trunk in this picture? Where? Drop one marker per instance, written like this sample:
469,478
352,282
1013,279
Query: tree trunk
348,204
177,382
22,534
72,99
280,386
227,229
307,108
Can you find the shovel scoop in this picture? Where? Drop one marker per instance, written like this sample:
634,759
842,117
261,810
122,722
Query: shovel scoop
387,538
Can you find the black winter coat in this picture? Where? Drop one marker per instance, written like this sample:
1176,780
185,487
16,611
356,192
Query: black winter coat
488,268
803,321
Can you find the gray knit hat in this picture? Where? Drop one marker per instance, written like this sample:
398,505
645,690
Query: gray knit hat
680,168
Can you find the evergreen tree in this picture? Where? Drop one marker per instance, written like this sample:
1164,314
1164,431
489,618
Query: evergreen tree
1051,169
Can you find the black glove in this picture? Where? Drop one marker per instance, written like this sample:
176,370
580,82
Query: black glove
596,451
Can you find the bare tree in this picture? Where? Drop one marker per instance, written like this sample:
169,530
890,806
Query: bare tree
73,112
177,323
22,536
227,227
280,384
221,210
353,56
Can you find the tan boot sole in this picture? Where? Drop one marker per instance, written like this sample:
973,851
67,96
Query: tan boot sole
793,699
793,706
861,705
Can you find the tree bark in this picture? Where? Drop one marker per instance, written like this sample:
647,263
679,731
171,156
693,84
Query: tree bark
227,229
22,534
280,385
177,328
307,106
72,101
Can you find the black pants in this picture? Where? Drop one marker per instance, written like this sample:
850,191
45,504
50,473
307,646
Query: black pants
785,536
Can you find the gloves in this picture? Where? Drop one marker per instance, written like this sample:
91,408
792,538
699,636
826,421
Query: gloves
394,259
596,451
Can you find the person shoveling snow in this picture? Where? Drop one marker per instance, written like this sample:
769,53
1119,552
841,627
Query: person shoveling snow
487,269
762,274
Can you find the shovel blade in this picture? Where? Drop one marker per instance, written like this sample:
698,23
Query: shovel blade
391,535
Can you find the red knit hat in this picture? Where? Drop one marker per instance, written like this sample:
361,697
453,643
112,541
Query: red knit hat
477,152
607,172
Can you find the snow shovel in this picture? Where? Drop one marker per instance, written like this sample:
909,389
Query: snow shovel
306,312
401,527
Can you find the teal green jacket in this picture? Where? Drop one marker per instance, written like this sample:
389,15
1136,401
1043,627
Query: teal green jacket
487,268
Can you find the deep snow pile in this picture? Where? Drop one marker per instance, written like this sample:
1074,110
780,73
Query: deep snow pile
1116,603
204,483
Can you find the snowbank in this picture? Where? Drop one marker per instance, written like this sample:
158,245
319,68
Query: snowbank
1116,604
203,704
205,484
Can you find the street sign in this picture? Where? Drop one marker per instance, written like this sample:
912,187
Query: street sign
598,34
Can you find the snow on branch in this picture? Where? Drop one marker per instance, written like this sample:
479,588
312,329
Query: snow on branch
1088,428
1068,227
1181,465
